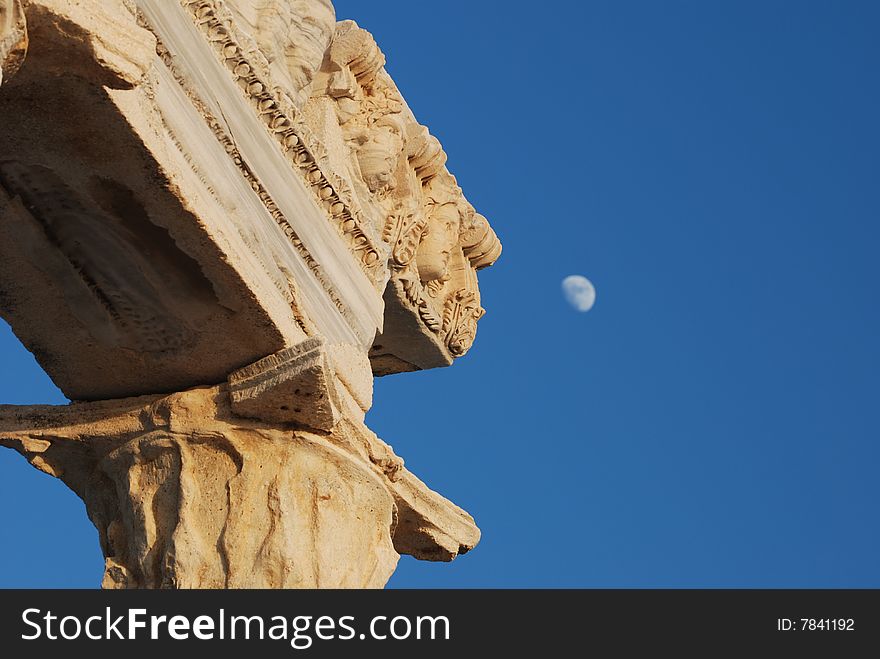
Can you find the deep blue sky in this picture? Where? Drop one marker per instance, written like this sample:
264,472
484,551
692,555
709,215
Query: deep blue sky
713,168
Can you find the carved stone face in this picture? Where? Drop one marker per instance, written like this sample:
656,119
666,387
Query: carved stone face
378,158
432,258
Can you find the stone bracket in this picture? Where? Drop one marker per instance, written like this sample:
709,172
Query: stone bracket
430,527
296,385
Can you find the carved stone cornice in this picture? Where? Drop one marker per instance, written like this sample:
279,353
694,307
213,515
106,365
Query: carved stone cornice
278,114
220,132
404,169
228,199
401,165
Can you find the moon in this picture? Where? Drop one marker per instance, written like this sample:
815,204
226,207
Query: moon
580,292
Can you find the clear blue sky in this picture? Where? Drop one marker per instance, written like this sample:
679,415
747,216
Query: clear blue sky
713,421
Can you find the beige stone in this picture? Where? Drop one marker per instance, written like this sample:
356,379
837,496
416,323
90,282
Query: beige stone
296,385
247,212
13,37
185,494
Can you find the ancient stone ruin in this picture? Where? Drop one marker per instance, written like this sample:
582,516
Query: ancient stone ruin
218,221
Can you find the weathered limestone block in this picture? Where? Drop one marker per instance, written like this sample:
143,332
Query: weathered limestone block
97,41
243,210
184,494
311,384
248,509
295,385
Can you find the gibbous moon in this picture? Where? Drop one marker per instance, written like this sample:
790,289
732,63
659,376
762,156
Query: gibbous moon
579,291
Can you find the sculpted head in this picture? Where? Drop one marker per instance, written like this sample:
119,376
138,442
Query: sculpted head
432,258
378,156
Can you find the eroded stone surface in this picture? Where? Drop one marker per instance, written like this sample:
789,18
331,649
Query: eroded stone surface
185,494
245,211
296,385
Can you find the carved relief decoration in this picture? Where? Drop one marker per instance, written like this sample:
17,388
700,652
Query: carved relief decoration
398,163
460,318
429,221
277,110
